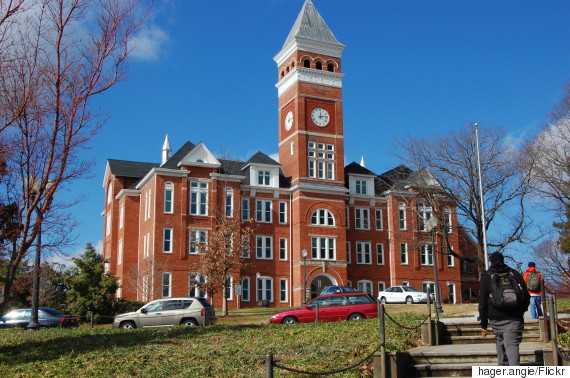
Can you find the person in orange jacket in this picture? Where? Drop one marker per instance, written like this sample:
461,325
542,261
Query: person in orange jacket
530,277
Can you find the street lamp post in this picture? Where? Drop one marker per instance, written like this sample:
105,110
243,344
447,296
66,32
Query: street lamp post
431,226
304,255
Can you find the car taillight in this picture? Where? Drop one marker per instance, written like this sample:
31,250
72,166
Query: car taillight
63,320
202,311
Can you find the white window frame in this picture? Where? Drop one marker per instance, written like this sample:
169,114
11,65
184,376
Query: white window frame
230,288
245,289
121,216
167,239
263,177
195,291
245,209
229,203
321,248
262,214
199,198
266,247
348,253
381,286
321,161
366,286
283,292
166,284
148,196
282,212
425,213
120,252
448,220
360,187
378,220
262,291
322,217
108,224
426,254
362,218
405,283
282,249
430,284
404,255
196,237
109,192
380,254
402,217
363,253
168,202
450,259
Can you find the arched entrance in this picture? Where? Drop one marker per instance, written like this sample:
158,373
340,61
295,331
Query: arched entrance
319,283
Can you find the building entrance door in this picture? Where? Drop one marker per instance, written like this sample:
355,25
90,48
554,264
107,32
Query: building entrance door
318,284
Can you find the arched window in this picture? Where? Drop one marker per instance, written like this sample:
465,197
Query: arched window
307,63
319,65
109,192
282,73
322,217
330,67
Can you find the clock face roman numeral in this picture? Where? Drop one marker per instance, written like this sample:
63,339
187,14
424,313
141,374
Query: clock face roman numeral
320,116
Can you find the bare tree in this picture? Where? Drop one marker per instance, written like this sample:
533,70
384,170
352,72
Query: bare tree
548,154
223,252
554,264
447,166
53,62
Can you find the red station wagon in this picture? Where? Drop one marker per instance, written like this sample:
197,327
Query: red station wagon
334,307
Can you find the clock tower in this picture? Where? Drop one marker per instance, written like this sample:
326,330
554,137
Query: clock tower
311,151
309,87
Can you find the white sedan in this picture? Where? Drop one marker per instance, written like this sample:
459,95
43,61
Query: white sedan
402,294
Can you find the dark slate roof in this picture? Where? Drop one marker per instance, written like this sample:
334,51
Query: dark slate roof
172,163
310,25
261,158
134,169
393,179
232,167
358,169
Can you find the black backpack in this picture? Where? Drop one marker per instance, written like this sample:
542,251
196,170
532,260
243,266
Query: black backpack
506,291
533,281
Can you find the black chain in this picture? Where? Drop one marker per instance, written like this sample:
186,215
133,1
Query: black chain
560,352
403,326
332,371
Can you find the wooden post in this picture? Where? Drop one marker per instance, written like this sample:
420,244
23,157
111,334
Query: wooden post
544,317
553,332
383,342
269,365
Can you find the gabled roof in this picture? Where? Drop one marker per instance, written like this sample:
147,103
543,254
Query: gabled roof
310,25
172,163
260,158
200,155
358,169
134,169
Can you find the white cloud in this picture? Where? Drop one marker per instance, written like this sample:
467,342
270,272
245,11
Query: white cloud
275,156
149,43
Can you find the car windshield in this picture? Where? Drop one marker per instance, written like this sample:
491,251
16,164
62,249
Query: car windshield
409,288
204,302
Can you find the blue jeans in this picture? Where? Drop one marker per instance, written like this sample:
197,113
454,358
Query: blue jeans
535,307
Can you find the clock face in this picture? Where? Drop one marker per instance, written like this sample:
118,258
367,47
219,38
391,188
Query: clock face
320,117
289,121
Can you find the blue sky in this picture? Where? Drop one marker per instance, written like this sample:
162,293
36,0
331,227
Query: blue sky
204,71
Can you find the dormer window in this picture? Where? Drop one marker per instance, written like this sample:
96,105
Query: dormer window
360,187
263,178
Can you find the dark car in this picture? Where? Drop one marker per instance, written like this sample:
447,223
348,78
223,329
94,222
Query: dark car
334,307
47,318
337,289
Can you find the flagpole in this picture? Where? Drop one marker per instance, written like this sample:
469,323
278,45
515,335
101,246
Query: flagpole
481,197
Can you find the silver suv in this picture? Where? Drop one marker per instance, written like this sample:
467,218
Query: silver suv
168,312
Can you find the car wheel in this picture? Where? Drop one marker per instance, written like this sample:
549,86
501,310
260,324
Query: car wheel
383,300
189,323
41,328
356,316
409,300
290,320
128,325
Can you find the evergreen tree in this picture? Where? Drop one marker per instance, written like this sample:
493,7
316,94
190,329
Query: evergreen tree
90,289
564,228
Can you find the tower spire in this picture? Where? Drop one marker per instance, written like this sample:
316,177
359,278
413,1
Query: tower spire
166,150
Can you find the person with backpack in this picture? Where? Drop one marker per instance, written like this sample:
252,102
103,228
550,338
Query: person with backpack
503,300
533,279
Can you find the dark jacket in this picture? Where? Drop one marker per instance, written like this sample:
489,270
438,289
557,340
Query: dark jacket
487,310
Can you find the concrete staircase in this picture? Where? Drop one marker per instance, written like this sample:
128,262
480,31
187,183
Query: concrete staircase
461,347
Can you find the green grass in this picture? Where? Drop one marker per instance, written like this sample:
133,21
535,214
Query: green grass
221,350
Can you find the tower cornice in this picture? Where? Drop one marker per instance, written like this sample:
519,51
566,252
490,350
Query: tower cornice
311,76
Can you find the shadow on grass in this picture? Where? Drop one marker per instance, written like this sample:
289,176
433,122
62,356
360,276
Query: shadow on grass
47,347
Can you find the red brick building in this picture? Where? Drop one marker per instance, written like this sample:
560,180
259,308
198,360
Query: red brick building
358,228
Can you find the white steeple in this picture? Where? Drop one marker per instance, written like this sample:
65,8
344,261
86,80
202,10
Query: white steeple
362,164
166,150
